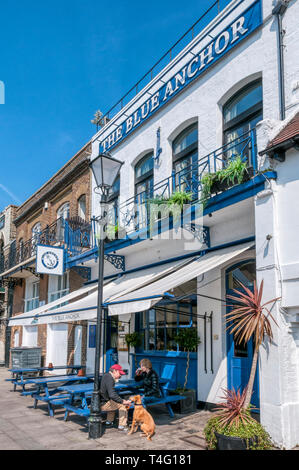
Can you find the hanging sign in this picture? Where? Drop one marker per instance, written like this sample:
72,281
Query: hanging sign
49,260
221,44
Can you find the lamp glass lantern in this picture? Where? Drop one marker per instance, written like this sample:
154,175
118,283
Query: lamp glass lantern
105,170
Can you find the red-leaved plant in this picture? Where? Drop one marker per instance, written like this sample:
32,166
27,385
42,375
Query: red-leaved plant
250,318
232,411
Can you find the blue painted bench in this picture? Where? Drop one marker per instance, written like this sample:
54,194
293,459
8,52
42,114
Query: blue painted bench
85,411
53,400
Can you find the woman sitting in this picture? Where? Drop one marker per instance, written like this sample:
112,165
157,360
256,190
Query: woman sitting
150,381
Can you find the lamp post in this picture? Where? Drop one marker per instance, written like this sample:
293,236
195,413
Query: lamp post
105,170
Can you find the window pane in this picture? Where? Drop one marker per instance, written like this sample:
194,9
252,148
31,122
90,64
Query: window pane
171,318
171,345
160,318
151,317
144,166
246,274
82,207
185,139
160,345
240,350
242,102
184,316
151,339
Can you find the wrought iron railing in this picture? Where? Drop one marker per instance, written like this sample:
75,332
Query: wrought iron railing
133,214
53,234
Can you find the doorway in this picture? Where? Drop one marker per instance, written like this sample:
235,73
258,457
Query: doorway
239,357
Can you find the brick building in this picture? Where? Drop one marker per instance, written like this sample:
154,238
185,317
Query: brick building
47,217
7,235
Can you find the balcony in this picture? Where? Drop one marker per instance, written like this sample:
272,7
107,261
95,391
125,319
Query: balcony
18,255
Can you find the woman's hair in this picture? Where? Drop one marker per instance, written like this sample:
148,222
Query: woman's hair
146,363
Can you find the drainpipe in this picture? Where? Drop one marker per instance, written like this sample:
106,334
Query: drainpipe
278,11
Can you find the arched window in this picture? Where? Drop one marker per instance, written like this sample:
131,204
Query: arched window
185,157
21,249
144,187
64,211
35,234
1,255
241,114
113,198
82,207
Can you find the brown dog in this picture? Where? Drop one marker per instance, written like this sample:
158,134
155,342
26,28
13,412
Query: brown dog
142,418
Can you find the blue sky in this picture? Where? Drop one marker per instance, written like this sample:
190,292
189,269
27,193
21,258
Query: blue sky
60,62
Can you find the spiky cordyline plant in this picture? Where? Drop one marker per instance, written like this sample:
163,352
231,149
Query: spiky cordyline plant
232,411
250,318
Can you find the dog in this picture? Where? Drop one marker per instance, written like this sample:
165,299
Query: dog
142,418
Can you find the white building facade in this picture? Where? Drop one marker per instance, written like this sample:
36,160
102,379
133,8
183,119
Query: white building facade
223,85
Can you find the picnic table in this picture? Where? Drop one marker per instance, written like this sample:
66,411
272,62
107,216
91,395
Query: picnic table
20,376
83,392
49,395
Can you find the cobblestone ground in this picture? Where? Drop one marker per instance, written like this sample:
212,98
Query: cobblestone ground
25,428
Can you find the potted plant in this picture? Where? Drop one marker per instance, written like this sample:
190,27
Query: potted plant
180,198
233,428
249,318
133,340
236,172
187,340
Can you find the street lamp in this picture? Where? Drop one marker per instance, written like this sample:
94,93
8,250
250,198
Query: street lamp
105,170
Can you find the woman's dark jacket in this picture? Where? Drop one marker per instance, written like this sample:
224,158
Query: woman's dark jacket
150,382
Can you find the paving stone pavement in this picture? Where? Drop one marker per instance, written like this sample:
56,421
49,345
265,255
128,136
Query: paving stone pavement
25,428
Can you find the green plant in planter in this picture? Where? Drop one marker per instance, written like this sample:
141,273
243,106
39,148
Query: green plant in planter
254,434
233,420
234,171
188,340
180,198
134,340
207,183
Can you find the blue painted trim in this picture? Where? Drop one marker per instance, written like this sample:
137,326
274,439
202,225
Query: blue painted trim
178,258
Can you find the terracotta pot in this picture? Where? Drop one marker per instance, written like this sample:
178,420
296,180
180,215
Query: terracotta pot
81,373
50,365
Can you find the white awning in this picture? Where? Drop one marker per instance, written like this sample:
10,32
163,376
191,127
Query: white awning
144,298
18,319
86,308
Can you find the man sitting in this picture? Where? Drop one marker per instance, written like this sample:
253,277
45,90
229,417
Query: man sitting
112,401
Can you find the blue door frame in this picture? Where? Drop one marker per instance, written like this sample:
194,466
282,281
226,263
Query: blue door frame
239,360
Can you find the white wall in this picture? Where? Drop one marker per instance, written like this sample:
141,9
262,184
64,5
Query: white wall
29,337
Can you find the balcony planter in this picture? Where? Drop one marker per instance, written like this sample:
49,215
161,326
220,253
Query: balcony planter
219,186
